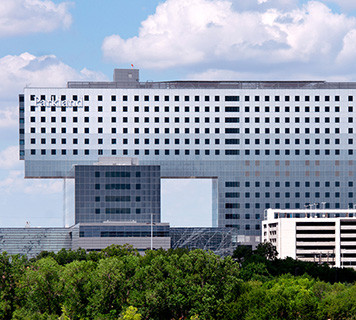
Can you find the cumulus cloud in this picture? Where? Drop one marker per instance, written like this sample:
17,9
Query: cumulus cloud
16,72
9,158
19,17
261,5
15,183
214,33
26,69
343,4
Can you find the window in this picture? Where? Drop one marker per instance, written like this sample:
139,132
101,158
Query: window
232,98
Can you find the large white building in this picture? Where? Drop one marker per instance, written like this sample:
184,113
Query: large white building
316,235
270,144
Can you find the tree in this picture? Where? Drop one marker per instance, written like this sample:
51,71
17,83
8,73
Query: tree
76,279
130,314
266,250
39,288
8,279
112,283
242,253
116,250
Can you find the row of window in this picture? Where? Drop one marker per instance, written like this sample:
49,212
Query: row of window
246,109
287,184
196,131
287,205
246,226
185,152
118,211
196,98
195,141
136,141
285,195
198,120
237,216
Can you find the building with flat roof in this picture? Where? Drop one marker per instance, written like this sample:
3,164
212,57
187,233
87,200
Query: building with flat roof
315,235
270,144
31,241
142,236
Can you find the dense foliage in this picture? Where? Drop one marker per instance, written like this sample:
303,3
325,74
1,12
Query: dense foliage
118,283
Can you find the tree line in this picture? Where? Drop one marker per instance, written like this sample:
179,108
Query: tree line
119,283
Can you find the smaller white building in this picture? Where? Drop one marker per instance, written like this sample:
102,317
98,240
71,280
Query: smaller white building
316,235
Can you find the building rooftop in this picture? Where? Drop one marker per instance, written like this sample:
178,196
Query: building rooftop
271,214
129,78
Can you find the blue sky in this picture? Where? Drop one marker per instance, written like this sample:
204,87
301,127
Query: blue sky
48,42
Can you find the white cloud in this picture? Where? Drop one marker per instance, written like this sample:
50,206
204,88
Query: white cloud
344,4
16,72
348,52
15,183
9,158
19,17
8,117
26,69
203,33
275,74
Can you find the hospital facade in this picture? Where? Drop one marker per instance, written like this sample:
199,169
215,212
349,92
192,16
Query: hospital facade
264,144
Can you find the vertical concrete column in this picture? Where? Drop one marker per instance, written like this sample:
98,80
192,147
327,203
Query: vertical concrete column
215,202
337,244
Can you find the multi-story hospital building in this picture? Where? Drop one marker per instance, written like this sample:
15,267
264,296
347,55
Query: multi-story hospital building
272,144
